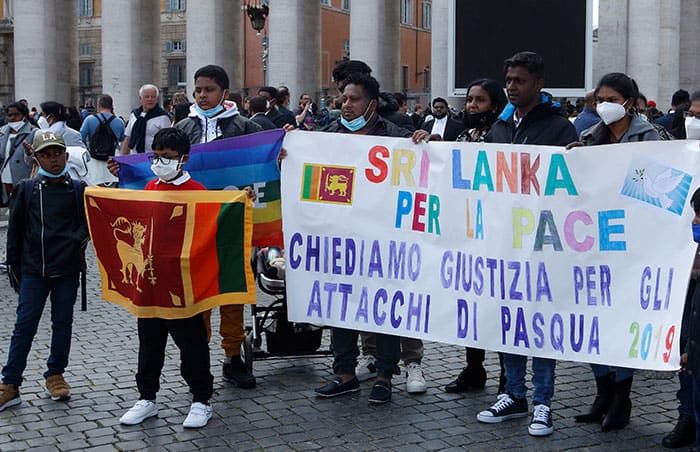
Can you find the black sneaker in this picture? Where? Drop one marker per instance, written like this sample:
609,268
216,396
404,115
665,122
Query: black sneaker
381,393
505,408
541,424
336,387
236,371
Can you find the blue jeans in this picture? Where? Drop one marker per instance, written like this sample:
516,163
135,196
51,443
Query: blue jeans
621,373
33,292
542,378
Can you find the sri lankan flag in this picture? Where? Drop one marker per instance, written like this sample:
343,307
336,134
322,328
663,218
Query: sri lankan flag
229,164
172,254
327,183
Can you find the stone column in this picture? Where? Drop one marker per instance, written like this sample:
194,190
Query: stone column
689,64
214,37
610,52
45,50
375,39
643,47
669,50
439,37
130,49
295,46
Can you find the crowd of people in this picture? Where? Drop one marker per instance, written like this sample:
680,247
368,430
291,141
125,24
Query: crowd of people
44,149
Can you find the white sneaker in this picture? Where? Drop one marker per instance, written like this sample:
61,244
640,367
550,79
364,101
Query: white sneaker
366,368
143,409
415,381
199,415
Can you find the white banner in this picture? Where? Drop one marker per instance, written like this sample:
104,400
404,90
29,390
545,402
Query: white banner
580,255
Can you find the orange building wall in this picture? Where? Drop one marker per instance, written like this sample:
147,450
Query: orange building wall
335,26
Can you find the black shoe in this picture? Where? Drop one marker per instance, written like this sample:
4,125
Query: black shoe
683,434
602,401
336,387
381,393
471,377
504,409
618,415
236,371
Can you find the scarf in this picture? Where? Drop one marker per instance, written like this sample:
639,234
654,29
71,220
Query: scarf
137,140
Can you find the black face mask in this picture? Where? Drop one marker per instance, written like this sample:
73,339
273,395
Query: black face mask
479,120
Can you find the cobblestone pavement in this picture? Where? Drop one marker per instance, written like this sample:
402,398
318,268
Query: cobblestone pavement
282,412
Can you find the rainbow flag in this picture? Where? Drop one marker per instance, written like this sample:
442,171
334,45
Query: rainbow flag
172,254
231,163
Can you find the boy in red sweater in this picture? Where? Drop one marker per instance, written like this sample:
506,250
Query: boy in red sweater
170,152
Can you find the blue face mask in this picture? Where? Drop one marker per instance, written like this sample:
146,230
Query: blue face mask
212,111
357,123
696,233
41,171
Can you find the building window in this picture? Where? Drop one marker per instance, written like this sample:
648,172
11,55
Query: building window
175,5
407,12
346,45
85,8
176,45
346,5
177,75
325,2
427,15
426,79
85,50
86,71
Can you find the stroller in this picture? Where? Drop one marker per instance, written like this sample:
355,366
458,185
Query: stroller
282,337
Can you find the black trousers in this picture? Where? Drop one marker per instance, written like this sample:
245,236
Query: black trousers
190,336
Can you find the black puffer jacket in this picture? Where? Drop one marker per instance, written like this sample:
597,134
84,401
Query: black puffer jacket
543,125
381,128
388,108
230,127
48,238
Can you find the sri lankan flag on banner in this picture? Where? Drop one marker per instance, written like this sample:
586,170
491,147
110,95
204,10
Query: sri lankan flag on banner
229,164
172,254
327,183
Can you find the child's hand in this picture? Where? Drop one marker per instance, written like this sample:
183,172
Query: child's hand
250,193
288,127
113,167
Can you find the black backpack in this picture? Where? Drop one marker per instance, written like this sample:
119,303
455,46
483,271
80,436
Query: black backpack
103,141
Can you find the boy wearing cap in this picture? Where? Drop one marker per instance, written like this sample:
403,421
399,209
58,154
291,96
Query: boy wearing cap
46,234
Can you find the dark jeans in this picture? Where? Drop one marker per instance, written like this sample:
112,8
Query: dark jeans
33,292
345,352
685,391
190,336
542,377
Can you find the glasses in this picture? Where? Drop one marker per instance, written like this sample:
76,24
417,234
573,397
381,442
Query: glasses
690,114
50,153
163,160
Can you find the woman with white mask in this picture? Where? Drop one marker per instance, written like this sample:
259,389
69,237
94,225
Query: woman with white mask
15,150
616,103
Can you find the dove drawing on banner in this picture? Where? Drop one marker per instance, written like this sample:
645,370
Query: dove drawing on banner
660,186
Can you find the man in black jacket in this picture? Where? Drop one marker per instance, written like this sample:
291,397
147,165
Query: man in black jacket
443,126
257,106
530,118
359,116
271,95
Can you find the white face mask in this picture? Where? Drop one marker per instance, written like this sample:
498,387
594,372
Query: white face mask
15,125
43,123
610,112
166,171
692,128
